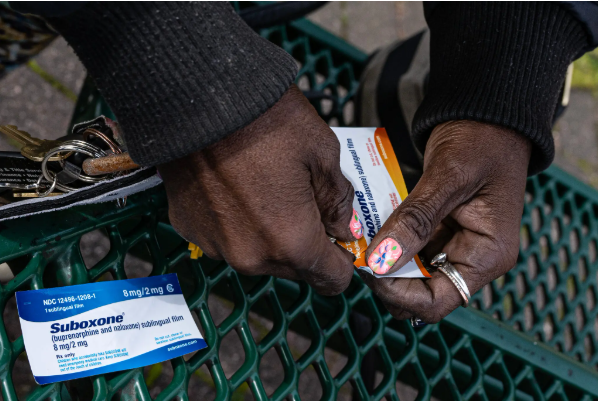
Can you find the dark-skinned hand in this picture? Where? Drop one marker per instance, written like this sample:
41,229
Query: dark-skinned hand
468,204
265,198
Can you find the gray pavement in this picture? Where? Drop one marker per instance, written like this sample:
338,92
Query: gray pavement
370,25
31,103
576,137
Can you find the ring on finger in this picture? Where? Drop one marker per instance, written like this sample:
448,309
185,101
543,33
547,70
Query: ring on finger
441,263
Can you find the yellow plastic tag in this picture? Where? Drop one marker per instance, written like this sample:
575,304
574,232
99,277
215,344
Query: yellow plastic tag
195,251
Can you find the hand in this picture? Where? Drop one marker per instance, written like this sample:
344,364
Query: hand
265,197
467,204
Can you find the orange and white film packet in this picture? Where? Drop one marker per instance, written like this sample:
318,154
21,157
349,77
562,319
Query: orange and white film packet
369,163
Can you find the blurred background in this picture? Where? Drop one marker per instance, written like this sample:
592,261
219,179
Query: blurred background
39,98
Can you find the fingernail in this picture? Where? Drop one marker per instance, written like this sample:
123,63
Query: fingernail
384,256
356,226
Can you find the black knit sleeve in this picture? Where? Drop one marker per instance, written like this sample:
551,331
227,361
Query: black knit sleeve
502,63
178,75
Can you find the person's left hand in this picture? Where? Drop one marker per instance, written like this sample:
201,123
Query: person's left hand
268,197
468,204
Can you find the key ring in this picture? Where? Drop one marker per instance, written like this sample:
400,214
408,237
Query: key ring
76,146
49,190
92,132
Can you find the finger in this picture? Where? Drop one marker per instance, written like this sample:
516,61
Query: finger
477,257
441,236
474,256
481,259
333,193
412,224
398,312
327,267
430,300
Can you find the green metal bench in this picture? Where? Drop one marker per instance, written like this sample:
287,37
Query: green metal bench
550,295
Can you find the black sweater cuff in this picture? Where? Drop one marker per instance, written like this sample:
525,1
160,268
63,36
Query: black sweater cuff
178,76
502,63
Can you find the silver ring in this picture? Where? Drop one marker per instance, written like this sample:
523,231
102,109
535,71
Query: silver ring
441,263
76,146
49,190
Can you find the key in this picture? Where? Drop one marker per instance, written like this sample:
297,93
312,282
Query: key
33,148
34,195
18,186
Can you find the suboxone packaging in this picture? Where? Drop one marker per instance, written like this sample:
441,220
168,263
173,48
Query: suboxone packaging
82,330
369,163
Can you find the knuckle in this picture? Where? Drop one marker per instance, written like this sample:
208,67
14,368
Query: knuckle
329,285
457,174
209,250
404,315
300,258
438,308
335,288
479,268
383,288
453,176
245,264
328,145
498,258
419,218
338,202
327,280
488,262
397,312
327,154
210,254
433,316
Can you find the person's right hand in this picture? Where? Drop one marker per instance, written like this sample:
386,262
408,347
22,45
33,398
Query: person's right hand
468,205
265,198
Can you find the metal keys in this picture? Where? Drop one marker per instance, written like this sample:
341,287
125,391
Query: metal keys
71,146
32,148
60,165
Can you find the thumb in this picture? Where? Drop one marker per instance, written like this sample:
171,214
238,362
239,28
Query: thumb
412,224
333,193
